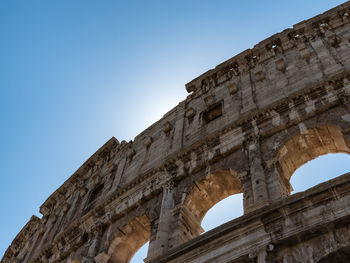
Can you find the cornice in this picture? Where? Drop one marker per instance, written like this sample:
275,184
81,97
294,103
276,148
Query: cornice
301,33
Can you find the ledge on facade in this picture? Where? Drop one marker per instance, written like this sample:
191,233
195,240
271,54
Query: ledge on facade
261,47
107,147
29,227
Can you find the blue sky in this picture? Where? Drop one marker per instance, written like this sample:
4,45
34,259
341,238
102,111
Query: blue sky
75,73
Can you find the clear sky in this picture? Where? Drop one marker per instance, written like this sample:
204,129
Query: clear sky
74,73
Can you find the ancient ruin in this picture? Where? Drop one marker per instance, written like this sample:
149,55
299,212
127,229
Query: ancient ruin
245,127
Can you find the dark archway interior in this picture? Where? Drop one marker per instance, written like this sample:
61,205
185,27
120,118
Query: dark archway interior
340,256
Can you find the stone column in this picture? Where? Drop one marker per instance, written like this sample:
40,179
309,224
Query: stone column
184,227
278,186
248,197
95,242
175,225
257,174
160,244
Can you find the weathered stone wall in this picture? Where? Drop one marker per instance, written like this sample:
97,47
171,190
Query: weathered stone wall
304,227
245,127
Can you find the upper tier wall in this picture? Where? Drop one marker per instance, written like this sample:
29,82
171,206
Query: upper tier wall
240,98
257,78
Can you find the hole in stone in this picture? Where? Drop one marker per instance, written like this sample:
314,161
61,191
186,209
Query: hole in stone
213,112
93,197
95,193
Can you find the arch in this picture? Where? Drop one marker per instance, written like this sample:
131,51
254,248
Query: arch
326,167
129,239
222,212
209,191
308,145
340,256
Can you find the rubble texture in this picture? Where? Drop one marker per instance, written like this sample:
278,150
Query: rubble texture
245,127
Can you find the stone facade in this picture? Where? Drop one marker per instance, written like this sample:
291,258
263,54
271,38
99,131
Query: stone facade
245,127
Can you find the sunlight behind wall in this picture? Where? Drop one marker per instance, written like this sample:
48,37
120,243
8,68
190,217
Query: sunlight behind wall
319,170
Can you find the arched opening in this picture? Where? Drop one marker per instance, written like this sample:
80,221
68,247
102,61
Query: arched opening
209,192
320,169
307,146
129,239
225,210
141,254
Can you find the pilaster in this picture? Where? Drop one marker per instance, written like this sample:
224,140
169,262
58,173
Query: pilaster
184,228
257,174
97,234
278,186
160,243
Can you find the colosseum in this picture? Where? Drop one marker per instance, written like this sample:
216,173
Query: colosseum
245,127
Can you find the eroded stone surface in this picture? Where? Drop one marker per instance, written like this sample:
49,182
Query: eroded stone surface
245,127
